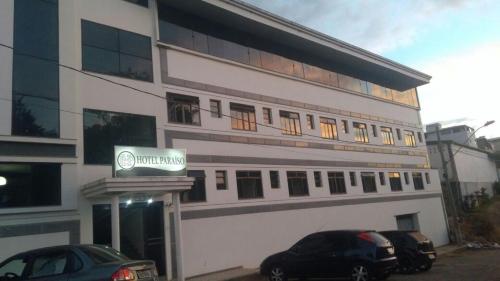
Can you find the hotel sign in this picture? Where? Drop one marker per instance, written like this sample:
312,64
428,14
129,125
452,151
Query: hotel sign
132,161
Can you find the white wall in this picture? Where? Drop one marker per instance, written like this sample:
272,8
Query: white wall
14,245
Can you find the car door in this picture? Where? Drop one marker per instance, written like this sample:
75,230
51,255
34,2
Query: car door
302,260
14,268
331,258
50,265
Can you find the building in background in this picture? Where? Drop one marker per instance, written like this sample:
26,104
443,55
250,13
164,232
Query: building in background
461,134
288,131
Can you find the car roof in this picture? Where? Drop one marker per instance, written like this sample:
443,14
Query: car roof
343,231
397,231
55,248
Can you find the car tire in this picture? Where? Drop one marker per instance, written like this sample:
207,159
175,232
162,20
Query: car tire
277,273
406,265
360,272
426,266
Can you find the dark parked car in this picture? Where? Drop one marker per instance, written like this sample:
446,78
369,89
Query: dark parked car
351,254
76,263
413,249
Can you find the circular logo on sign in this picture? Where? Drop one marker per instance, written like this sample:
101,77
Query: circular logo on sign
126,160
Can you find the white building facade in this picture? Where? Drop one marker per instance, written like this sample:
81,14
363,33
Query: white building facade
287,130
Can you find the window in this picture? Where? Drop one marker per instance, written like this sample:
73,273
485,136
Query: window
215,109
360,132
336,182
345,127
143,3
310,121
297,183
395,181
243,117
113,51
290,123
221,180
407,178
16,266
368,181
381,176
407,222
318,182
102,130
418,182
387,137
328,128
410,139
35,70
183,109
249,184
352,178
427,178
374,130
49,264
30,185
398,133
197,191
275,179
419,134
268,115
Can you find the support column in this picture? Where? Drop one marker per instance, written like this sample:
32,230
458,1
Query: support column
115,222
178,236
167,202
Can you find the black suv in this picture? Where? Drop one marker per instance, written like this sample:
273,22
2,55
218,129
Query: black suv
356,254
413,249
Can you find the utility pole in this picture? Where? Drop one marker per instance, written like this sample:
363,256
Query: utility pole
455,226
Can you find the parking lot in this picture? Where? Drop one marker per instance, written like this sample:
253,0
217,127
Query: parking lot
464,265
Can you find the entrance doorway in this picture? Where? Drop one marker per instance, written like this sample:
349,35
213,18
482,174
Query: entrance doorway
141,230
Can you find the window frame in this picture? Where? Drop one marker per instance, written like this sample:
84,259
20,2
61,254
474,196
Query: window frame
199,176
174,100
345,126
333,177
360,132
374,131
310,121
387,136
267,115
398,133
353,180
294,175
224,185
365,176
259,191
318,180
382,179
218,112
410,140
418,181
247,114
427,178
407,178
287,121
328,127
276,174
395,187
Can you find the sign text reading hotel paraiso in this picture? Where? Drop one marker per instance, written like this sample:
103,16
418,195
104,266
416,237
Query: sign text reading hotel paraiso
132,161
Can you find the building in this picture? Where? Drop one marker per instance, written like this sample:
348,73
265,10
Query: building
484,144
461,134
287,131
495,143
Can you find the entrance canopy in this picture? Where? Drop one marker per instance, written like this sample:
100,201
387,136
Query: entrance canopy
154,186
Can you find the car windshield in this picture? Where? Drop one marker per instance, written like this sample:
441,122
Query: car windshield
100,255
374,237
418,236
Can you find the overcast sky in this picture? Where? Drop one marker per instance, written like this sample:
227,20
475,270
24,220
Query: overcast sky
457,42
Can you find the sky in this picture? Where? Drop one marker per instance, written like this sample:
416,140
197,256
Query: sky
457,42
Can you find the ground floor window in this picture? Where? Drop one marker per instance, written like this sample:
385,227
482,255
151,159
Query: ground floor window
407,222
197,192
249,184
297,183
336,182
30,184
368,180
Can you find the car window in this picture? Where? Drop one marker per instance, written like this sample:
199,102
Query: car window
49,264
15,266
340,242
103,255
311,243
75,263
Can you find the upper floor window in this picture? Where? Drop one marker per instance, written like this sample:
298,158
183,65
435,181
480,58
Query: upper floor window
395,181
290,123
275,179
381,176
310,121
221,180
30,185
368,181
410,138
318,181
345,126
398,133
352,177
297,183
102,130
374,130
183,109
419,134
215,109
418,182
328,128
360,132
243,117
249,184
268,115
427,178
336,181
387,137
407,178
197,193
113,51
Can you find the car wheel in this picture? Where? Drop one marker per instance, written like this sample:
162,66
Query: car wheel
406,265
277,273
360,272
426,266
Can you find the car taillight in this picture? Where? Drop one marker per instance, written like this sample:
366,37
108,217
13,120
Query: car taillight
365,236
123,274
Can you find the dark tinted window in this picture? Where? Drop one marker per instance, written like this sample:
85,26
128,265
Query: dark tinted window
312,243
249,184
183,109
352,177
275,179
117,52
418,182
197,192
395,181
35,77
381,176
318,182
48,264
30,185
103,255
368,181
336,182
297,183
102,130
